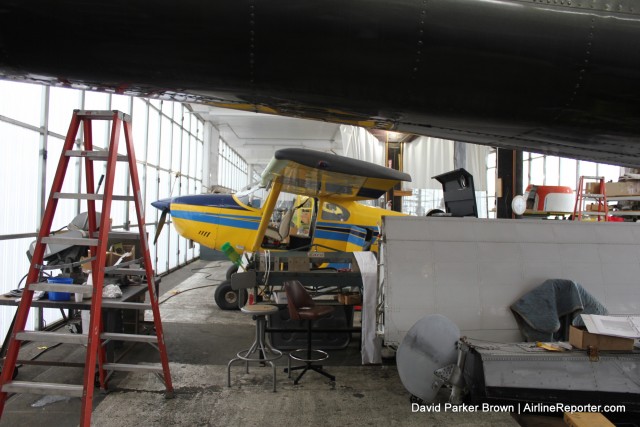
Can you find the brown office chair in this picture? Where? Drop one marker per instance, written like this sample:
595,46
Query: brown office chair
302,307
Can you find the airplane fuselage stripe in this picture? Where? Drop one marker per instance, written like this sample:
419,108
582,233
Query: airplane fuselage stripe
239,221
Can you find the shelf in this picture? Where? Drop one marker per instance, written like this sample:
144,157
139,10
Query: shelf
611,213
545,213
622,198
624,213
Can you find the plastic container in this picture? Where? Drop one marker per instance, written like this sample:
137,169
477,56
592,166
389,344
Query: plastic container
231,253
60,296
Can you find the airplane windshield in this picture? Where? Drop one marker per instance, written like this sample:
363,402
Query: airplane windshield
253,195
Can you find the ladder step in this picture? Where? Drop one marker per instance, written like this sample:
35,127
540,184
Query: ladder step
78,241
85,196
43,388
102,115
94,155
131,367
594,196
111,303
58,287
129,337
56,337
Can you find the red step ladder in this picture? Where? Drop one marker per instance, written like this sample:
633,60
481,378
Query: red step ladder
596,191
97,239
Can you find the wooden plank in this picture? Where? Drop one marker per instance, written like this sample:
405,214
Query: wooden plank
586,419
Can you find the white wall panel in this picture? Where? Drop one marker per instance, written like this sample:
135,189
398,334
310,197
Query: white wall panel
472,270
176,246
96,101
21,102
166,136
62,102
121,103
18,189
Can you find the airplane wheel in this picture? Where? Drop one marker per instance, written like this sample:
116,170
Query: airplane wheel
231,270
227,298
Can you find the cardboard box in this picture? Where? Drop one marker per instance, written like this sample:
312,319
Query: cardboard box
112,257
623,188
582,339
592,188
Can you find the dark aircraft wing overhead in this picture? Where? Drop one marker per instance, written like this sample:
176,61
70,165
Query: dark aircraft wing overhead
560,77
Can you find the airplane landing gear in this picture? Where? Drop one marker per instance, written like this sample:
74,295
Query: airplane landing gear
226,298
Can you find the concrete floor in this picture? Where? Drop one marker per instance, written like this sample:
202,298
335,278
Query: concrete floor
201,339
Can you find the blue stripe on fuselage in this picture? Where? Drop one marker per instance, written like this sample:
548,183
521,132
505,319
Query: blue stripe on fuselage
225,201
341,233
237,221
327,227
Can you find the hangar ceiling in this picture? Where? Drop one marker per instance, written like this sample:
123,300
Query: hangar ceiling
256,136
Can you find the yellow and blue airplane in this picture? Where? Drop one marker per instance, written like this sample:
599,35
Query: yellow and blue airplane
305,199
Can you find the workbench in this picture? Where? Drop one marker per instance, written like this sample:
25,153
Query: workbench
521,373
131,295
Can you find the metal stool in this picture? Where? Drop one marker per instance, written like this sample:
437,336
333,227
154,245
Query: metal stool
260,345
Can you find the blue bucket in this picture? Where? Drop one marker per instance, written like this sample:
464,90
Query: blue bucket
60,296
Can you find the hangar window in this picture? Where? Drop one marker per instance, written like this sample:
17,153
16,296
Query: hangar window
34,120
233,170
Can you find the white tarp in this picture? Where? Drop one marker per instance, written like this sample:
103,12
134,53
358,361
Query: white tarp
358,143
371,344
426,157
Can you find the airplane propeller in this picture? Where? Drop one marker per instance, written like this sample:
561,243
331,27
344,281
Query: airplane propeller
165,206
163,218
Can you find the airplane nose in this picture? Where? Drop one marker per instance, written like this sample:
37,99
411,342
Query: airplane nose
162,204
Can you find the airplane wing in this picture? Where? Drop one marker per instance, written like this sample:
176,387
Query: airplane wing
314,173
557,77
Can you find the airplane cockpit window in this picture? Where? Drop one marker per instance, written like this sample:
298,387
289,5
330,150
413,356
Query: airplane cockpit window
333,212
252,196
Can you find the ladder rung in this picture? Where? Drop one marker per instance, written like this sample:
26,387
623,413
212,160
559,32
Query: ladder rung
592,177
108,303
594,196
58,287
56,337
85,196
78,241
94,155
128,337
102,114
43,388
131,367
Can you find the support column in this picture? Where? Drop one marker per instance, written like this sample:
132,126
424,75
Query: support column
210,160
394,161
510,177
